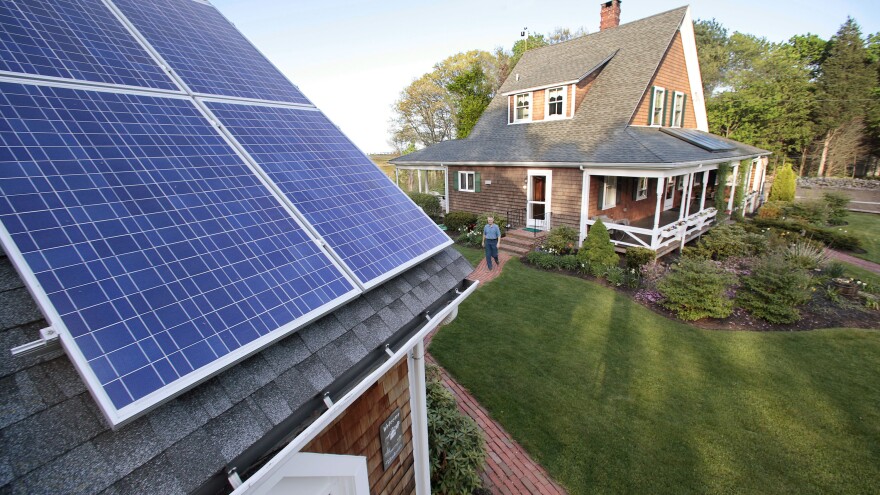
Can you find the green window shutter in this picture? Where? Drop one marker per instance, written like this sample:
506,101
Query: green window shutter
477,182
665,106
455,181
651,107
601,193
684,101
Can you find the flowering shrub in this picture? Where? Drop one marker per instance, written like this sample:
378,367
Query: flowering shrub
471,238
648,296
561,240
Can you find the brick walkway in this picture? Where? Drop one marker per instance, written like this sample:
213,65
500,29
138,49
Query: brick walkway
483,274
867,265
509,469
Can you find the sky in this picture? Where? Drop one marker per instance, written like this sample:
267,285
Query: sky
352,58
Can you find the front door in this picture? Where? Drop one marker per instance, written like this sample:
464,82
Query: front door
669,194
538,199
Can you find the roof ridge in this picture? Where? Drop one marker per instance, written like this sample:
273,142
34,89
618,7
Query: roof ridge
588,35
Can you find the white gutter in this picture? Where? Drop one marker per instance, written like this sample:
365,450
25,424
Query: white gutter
647,166
338,407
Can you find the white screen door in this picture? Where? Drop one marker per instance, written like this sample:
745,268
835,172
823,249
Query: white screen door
538,199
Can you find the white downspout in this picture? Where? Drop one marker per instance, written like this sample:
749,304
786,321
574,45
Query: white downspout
419,413
661,182
585,205
733,188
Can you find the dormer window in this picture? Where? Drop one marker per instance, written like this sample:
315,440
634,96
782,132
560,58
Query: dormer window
556,103
523,107
677,109
658,106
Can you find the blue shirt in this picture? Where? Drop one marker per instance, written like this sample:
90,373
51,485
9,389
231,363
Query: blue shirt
491,231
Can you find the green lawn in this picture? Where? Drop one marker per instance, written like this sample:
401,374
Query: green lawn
471,254
612,398
867,227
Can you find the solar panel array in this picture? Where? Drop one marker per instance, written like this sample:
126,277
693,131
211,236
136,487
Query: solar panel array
354,207
207,52
699,138
75,39
159,249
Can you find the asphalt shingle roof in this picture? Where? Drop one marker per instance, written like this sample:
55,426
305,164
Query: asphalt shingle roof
55,439
599,132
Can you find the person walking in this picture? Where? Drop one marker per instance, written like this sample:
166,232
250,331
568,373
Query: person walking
491,241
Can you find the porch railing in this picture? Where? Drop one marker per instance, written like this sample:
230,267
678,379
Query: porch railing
629,236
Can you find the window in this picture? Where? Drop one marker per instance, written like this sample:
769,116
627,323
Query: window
609,192
556,103
642,189
467,181
658,106
677,109
523,107
679,181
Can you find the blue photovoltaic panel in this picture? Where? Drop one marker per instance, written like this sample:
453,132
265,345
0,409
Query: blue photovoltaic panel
699,138
161,251
370,223
74,39
206,51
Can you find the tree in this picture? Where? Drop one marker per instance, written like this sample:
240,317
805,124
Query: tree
846,85
784,185
713,53
529,43
472,93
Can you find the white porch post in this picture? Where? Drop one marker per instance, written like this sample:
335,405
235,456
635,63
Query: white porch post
660,184
397,176
689,188
585,205
420,180
703,195
419,414
684,190
733,188
446,187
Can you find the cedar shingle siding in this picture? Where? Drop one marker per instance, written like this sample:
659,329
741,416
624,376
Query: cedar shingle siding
671,75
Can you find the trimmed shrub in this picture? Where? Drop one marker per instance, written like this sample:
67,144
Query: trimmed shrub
549,261
568,262
837,206
500,221
774,290
457,221
815,212
783,185
835,269
429,203
725,241
457,449
638,256
771,210
561,240
696,288
597,253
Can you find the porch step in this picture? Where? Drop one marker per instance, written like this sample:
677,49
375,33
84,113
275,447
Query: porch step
519,241
514,249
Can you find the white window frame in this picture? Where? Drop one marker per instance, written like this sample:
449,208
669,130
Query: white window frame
677,109
679,182
659,98
527,97
610,191
563,90
642,189
463,181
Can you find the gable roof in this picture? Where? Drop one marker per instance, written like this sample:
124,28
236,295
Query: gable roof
599,132
55,439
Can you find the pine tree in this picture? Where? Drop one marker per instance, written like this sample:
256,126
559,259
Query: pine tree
846,83
597,253
784,185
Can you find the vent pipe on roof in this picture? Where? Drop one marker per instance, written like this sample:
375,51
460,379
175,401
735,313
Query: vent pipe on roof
609,15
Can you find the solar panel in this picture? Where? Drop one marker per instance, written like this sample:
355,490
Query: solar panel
75,39
699,138
207,52
164,255
371,225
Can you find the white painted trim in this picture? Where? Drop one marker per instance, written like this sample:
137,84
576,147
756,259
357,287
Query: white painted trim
675,107
692,61
573,99
605,204
338,407
350,470
561,116
465,173
547,193
538,88
653,100
531,108
616,166
419,167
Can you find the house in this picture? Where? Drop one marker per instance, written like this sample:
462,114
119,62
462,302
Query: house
177,312
611,125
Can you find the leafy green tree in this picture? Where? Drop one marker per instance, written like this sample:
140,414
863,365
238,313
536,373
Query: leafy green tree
846,85
597,252
472,93
784,185
531,42
713,53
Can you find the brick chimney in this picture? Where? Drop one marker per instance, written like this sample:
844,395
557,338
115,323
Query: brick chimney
610,15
